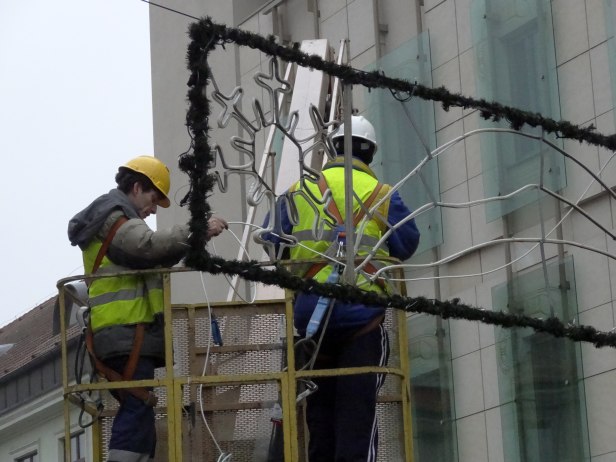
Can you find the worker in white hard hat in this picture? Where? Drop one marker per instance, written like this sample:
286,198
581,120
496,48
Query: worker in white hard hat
341,413
125,332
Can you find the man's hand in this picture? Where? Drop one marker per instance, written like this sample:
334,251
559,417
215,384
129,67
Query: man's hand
216,225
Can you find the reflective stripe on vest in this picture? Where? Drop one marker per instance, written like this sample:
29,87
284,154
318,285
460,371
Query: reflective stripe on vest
364,182
128,299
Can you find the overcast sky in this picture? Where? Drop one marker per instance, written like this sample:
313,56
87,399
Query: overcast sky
75,102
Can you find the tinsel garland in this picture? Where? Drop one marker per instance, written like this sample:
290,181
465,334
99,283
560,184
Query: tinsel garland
252,271
205,31
205,35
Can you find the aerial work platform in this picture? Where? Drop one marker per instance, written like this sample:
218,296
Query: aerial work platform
242,400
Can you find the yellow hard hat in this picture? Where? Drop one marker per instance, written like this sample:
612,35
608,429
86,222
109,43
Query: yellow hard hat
156,171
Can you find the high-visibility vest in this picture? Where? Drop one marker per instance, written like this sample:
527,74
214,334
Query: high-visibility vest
120,300
364,184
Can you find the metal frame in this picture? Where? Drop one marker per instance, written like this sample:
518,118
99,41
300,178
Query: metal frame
287,379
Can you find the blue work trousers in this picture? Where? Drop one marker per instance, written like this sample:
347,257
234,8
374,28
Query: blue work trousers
341,414
133,433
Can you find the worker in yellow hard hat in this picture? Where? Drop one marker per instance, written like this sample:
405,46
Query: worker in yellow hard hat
125,332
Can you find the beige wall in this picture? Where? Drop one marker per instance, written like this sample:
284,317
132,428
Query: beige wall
585,98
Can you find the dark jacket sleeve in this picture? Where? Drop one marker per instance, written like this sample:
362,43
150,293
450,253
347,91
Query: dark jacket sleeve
283,227
403,242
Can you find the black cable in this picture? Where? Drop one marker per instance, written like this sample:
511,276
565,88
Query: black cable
170,9
205,29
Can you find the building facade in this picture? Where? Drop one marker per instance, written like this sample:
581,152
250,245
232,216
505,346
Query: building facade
31,398
480,393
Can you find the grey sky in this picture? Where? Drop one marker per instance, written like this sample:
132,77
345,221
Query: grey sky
75,102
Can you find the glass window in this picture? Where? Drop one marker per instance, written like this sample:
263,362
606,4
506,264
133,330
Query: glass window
405,134
432,404
516,66
31,457
541,389
78,447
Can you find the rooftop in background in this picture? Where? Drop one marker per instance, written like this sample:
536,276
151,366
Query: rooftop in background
32,336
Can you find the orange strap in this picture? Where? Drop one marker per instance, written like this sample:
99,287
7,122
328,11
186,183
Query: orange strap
129,369
332,208
140,393
103,250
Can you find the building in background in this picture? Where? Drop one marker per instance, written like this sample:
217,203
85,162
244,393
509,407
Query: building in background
31,401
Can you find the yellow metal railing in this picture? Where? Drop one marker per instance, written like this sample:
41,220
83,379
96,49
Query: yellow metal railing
175,384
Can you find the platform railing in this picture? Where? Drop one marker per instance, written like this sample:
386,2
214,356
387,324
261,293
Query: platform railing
231,388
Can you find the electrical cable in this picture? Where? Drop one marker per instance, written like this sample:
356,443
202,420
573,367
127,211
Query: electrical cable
327,257
223,457
254,284
454,256
171,9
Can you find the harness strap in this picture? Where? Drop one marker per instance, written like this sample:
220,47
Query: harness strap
141,393
367,204
332,208
103,250
369,267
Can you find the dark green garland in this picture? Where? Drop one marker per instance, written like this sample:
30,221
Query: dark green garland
205,31
252,271
205,35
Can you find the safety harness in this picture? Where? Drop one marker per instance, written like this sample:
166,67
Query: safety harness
333,210
324,304
141,393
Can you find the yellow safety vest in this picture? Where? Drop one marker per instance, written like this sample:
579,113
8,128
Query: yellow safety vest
120,300
364,184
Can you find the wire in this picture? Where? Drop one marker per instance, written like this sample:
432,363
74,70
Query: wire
171,9
223,455
254,284
327,257
512,240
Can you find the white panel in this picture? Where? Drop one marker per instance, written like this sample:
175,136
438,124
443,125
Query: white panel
441,22
468,389
489,372
601,84
601,409
575,82
591,274
472,446
595,16
310,88
494,433
598,360
570,33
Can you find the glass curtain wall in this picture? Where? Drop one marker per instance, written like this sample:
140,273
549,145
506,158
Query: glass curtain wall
405,133
541,388
516,66
406,136
432,403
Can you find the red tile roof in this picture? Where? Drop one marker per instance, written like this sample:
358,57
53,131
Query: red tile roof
32,335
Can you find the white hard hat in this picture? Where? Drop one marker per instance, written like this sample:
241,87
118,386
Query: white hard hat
360,128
